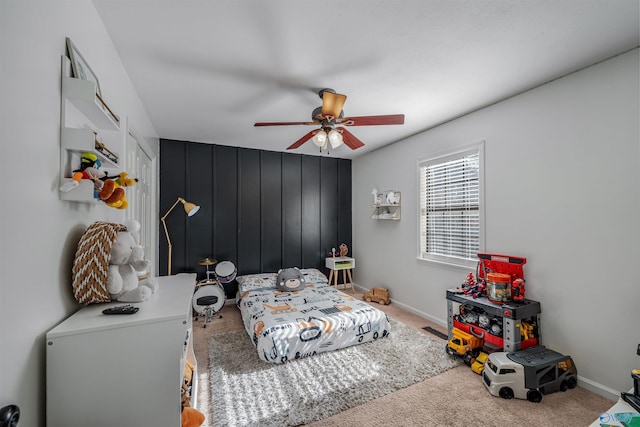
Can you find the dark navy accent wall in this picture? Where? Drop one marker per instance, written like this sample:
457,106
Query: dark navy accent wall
261,210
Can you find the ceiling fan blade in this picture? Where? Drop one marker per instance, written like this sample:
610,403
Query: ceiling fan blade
301,141
350,139
332,104
389,119
285,123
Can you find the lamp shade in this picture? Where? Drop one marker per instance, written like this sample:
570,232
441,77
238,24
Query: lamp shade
191,208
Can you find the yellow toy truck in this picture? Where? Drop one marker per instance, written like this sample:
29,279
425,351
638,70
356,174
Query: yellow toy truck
478,363
465,345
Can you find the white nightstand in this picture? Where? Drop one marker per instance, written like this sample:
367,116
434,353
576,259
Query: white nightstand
341,263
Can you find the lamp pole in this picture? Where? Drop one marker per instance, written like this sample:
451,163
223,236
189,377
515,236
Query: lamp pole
190,209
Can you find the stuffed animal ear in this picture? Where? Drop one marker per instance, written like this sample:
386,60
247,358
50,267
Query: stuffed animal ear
107,189
116,196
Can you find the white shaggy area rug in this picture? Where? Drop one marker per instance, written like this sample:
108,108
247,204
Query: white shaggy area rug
246,391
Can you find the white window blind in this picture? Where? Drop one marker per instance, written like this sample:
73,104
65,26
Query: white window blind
450,206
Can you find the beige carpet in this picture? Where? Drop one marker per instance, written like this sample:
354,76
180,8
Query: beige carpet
454,398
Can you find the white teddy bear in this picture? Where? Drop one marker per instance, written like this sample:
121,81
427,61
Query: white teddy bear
125,263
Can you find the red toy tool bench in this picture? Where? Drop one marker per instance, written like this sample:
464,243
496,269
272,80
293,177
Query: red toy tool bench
505,264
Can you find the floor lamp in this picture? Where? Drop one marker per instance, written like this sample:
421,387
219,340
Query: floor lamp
190,209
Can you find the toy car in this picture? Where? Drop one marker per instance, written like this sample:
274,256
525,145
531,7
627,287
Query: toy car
477,365
379,295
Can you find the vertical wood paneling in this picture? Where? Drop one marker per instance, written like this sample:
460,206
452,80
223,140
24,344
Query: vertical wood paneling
201,193
260,210
270,210
249,210
344,204
328,204
292,210
225,227
311,250
173,163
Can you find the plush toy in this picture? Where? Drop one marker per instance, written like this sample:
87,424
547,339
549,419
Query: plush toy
125,263
290,280
93,174
344,249
133,227
112,192
191,417
89,159
89,169
124,180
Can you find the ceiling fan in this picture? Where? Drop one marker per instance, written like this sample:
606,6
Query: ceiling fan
331,121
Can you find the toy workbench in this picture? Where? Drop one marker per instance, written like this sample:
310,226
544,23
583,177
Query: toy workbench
512,315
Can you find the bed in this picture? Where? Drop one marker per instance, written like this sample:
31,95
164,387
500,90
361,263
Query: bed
291,325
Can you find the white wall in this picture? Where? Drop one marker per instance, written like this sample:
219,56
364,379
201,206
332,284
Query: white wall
562,187
38,232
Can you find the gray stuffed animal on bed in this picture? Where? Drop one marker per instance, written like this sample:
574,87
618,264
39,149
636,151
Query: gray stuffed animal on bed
290,280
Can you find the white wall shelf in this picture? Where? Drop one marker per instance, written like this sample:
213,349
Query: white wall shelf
387,206
82,140
84,96
84,119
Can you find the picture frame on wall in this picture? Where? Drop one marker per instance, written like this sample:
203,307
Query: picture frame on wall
80,67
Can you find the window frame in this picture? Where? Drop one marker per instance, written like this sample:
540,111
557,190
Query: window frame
441,158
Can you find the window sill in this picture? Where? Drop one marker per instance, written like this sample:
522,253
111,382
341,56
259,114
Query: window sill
461,264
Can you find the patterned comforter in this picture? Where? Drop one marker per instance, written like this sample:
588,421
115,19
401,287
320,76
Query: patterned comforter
291,325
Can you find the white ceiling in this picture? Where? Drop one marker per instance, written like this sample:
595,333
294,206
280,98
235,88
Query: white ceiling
207,70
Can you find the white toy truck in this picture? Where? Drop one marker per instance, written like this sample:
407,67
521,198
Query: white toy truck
528,374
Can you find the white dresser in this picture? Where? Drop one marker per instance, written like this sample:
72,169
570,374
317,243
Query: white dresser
123,370
608,417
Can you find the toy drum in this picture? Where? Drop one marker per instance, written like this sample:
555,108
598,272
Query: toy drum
226,272
208,296
206,282
498,287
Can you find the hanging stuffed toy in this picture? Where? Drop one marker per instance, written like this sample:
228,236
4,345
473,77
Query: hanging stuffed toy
89,169
112,192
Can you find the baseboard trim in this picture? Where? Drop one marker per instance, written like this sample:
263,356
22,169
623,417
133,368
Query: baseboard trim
437,321
422,314
599,389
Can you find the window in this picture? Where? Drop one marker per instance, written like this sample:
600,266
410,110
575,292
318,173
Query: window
450,207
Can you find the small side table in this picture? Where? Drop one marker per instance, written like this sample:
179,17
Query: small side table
340,263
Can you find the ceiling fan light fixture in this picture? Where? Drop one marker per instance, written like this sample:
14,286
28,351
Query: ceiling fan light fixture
335,138
320,139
